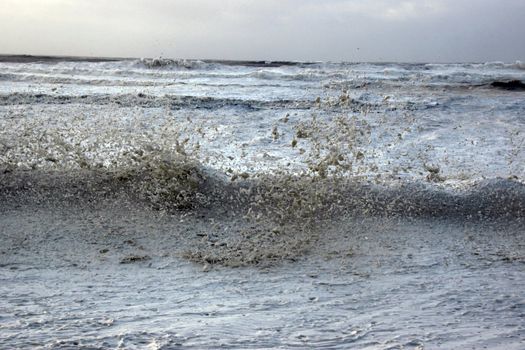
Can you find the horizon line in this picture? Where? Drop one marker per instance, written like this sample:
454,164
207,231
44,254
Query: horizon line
27,58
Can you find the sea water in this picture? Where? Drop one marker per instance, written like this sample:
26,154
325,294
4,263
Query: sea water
161,203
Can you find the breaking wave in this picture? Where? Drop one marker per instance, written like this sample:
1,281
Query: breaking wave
167,183
76,163
280,159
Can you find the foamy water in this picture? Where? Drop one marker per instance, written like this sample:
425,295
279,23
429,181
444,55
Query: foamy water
177,203
246,117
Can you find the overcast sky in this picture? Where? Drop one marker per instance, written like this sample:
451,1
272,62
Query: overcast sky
335,30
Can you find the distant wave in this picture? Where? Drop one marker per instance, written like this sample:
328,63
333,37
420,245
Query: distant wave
266,78
143,100
156,63
519,65
515,65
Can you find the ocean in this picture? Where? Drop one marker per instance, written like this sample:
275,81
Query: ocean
159,203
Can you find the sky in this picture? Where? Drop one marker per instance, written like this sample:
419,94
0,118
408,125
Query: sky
298,30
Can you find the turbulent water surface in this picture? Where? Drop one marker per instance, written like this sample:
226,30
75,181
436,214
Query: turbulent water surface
167,204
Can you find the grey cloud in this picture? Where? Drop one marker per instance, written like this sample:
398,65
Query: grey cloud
355,30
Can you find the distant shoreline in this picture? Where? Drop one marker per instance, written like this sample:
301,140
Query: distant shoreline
45,58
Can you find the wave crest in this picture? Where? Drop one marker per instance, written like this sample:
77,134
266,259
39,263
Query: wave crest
166,63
